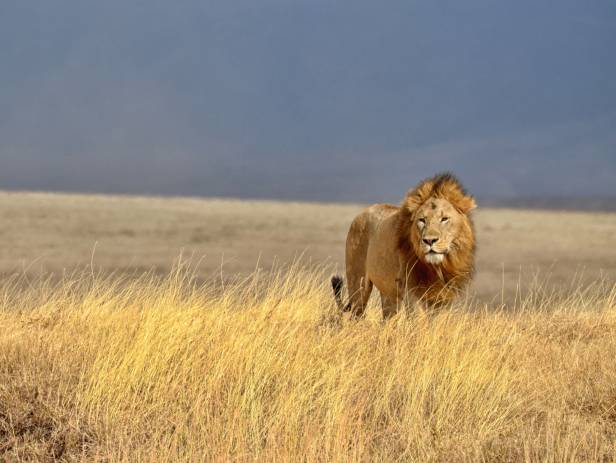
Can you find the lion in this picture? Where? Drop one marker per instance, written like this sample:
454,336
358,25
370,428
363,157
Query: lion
424,249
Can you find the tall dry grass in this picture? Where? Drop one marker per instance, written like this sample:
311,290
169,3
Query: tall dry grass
112,369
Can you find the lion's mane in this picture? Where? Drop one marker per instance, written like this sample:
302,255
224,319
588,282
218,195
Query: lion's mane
438,284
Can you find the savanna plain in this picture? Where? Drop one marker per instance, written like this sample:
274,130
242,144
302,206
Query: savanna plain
178,329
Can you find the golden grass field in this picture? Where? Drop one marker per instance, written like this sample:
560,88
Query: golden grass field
189,365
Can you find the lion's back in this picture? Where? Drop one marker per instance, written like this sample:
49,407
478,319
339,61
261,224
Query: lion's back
363,229
367,222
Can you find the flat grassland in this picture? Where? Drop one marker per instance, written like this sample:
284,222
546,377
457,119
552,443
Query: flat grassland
192,366
57,233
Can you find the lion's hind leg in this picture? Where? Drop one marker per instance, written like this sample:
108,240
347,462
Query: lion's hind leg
359,294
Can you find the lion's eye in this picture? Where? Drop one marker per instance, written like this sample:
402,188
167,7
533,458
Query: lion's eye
421,222
445,219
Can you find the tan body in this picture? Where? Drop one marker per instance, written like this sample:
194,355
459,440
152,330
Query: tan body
422,249
373,259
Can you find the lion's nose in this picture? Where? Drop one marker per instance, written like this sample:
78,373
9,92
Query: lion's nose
430,241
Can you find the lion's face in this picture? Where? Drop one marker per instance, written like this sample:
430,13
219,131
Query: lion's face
435,227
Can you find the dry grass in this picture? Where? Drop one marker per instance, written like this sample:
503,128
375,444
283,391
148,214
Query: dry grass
111,370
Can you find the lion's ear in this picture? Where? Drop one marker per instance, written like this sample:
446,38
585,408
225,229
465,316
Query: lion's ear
464,204
467,204
417,196
455,194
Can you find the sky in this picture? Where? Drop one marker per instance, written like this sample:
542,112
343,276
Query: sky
308,99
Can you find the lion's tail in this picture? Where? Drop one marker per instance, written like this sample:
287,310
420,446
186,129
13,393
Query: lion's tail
337,285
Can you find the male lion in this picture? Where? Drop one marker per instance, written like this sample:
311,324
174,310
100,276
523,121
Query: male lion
424,248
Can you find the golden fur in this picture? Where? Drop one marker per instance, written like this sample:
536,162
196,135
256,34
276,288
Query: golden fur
425,248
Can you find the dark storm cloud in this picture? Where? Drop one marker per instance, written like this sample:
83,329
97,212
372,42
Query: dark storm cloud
309,100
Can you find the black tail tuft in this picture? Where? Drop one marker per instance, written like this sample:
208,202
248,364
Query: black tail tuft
337,285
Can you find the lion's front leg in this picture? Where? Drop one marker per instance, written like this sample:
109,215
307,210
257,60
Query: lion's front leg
422,308
390,306
391,303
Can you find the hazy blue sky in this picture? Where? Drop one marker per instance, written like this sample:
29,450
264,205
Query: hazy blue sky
311,99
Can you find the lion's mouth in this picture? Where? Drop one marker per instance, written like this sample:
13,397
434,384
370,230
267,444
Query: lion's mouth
434,257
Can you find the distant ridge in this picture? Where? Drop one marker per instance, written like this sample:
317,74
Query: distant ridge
594,204
579,203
